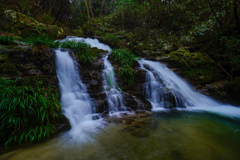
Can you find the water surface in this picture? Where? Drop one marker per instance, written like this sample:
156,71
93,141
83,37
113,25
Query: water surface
172,135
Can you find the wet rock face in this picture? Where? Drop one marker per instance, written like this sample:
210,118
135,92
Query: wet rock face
133,96
91,75
28,64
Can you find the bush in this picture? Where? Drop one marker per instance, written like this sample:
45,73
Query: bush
42,40
82,50
6,40
125,59
123,56
26,114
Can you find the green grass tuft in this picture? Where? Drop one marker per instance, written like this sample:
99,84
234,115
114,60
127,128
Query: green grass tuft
26,114
42,40
82,50
125,59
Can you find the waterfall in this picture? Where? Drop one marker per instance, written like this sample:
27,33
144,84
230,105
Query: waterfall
75,98
113,92
162,84
114,96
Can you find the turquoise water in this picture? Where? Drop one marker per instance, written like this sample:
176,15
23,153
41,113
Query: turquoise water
173,135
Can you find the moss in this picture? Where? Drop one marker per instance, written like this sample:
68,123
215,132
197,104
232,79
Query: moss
185,56
195,65
21,24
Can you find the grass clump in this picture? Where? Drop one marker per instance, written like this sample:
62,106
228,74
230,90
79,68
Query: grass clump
125,59
6,40
82,50
26,114
42,40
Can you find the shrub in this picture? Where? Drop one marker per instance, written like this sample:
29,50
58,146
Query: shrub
125,59
42,40
82,50
26,114
123,56
128,74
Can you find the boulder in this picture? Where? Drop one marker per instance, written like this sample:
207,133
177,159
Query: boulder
22,24
194,65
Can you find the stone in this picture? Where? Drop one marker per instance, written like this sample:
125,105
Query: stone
194,65
21,24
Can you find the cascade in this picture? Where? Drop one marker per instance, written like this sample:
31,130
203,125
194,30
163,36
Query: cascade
114,96
113,93
161,83
74,97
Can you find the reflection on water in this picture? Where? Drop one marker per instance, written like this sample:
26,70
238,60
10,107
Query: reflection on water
171,135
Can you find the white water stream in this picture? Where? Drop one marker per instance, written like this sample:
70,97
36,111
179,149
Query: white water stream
159,77
113,92
78,107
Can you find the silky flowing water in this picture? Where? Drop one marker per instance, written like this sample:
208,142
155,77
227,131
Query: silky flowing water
203,129
173,135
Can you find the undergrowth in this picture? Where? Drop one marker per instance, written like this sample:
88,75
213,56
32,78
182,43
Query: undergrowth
42,40
82,50
125,59
26,114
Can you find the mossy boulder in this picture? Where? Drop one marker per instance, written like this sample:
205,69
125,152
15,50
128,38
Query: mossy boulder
21,24
194,65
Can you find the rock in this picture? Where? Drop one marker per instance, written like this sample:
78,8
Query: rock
62,124
22,24
194,65
27,64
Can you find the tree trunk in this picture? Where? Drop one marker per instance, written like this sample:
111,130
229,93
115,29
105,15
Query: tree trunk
86,4
90,6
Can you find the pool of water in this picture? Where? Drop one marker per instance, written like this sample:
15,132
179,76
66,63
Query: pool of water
172,135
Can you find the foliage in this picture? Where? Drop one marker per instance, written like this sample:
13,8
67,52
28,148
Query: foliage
27,114
128,74
82,50
42,40
6,40
125,59
123,56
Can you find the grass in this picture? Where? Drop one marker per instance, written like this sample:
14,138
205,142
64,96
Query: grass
125,60
26,114
42,40
82,50
6,40
123,56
